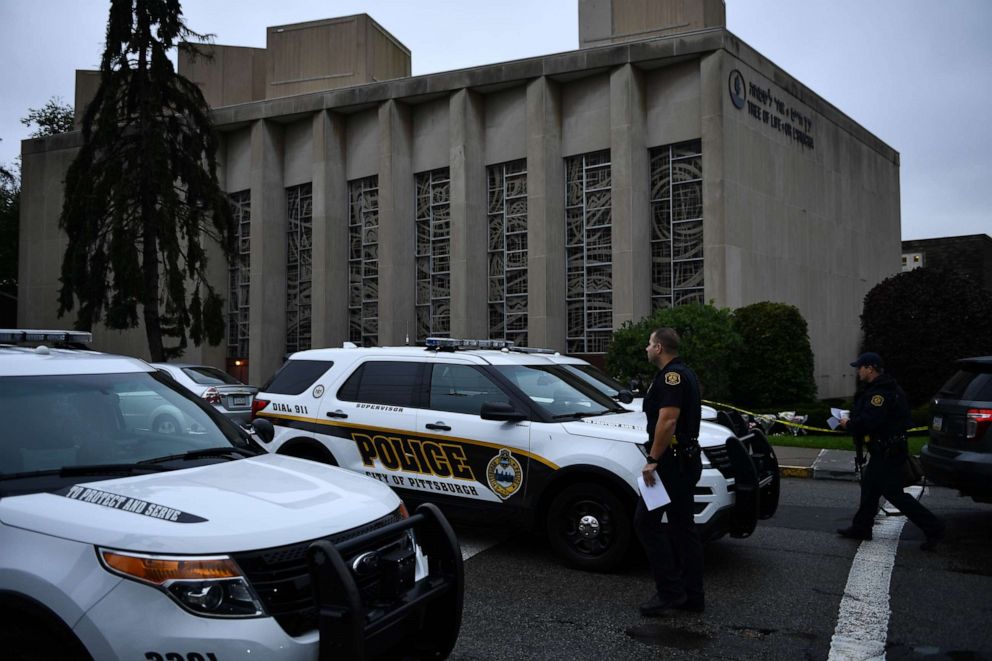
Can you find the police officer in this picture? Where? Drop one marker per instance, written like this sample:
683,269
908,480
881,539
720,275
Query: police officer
675,551
881,414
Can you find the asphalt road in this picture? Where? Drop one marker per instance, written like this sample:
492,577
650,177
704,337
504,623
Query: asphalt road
775,595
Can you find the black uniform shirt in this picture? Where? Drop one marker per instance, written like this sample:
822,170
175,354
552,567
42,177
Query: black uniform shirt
675,385
881,410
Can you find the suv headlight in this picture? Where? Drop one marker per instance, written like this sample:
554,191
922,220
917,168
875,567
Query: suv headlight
212,586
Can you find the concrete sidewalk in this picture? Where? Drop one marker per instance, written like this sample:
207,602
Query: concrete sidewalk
816,463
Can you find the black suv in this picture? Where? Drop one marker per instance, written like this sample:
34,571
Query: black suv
959,454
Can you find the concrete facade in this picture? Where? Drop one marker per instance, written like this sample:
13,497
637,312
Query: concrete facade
792,190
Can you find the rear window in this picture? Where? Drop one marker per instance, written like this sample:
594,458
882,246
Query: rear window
980,388
296,376
956,385
393,383
210,376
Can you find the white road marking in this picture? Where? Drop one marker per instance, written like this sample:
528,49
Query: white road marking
475,543
863,620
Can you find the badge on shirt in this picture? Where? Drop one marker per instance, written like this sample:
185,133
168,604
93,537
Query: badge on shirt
673,378
877,400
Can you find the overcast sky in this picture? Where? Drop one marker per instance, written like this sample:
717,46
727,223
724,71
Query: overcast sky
916,73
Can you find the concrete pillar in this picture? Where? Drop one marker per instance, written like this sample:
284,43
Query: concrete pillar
330,232
722,276
269,224
397,282
469,226
545,211
631,207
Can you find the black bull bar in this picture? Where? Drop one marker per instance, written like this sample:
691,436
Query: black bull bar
756,481
415,620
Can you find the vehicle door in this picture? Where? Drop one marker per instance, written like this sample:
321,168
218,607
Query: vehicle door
466,457
369,420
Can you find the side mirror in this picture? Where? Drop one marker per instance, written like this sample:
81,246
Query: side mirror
264,429
625,397
501,411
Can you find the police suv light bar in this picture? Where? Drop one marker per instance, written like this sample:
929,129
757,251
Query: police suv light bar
453,343
14,335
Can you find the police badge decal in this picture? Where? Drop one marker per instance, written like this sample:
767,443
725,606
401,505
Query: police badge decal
504,474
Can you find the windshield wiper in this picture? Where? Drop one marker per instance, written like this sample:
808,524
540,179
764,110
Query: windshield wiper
580,414
92,469
199,454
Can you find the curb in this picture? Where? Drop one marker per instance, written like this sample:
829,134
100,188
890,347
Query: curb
795,471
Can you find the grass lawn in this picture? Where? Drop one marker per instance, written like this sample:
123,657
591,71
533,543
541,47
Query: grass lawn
833,442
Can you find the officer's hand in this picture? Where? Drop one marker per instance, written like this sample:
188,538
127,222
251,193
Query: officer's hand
648,474
843,423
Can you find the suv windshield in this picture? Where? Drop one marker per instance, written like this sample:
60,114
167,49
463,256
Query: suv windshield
61,422
559,393
595,377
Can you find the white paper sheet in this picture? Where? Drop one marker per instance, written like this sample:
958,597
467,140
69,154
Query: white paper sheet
836,415
654,496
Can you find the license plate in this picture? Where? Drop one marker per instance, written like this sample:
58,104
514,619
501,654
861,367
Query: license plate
938,422
240,401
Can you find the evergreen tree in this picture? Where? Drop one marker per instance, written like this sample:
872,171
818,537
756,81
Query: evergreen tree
142,196
921,321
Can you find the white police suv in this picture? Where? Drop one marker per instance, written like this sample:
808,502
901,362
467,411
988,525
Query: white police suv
499,434
120,540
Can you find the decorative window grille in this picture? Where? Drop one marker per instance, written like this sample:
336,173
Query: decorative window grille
433,256
299,267
239,276
508,251
677,224
588,253
363,261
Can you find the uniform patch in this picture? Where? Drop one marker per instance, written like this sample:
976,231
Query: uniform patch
877,400
673,378
504,474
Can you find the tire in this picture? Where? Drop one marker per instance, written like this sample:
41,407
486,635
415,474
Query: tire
23,640
165,424
589,527
310,452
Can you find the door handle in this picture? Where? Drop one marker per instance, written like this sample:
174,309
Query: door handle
438,426
337,414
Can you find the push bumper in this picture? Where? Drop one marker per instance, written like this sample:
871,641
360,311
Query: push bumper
403,617
757,485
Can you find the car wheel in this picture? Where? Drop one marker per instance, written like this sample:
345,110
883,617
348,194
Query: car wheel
308,451
165,424
23,640
589,527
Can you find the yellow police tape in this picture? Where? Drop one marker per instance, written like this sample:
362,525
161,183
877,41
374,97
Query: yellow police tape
789,423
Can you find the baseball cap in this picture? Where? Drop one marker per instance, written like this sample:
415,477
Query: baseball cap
868,359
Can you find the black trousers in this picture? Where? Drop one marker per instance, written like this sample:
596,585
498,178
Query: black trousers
674,549
883,477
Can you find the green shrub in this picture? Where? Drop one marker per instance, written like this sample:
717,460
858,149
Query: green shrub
923,320
709,346
776,365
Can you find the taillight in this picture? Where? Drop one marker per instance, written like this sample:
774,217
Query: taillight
257,405
978,421
212,395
